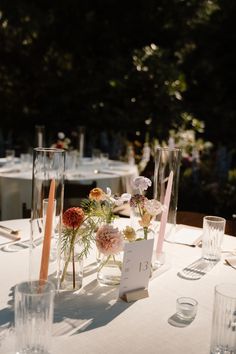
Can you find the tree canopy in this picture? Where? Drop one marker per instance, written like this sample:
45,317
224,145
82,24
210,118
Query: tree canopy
120,65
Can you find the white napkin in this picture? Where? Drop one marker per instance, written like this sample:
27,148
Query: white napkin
188,236
231,260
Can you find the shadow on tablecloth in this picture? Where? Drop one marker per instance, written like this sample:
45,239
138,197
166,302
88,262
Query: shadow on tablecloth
74,312
92,307
197,269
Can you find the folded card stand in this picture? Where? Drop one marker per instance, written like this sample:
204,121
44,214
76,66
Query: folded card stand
135,295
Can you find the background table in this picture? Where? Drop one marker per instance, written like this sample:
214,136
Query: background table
94,321
15,186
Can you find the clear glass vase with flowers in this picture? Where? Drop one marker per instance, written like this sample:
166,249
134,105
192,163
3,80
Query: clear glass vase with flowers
76,241
100,205
143,210
109,240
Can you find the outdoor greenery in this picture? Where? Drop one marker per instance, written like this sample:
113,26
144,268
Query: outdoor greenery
126,68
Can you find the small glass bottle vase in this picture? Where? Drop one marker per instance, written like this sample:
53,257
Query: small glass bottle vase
109,269
72,269
144,233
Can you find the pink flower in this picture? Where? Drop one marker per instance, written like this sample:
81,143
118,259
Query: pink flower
153,207
109,240
142,183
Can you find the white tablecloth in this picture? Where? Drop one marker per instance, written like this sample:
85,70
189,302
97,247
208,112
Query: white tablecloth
15,186
94,321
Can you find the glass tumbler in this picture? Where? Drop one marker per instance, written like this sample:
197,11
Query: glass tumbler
223,335
33,317
213,233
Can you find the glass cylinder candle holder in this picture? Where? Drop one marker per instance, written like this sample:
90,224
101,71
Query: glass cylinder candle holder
167,160
40,135
81,142
46,212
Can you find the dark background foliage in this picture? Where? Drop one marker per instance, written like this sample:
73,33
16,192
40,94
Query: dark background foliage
71,63
114,65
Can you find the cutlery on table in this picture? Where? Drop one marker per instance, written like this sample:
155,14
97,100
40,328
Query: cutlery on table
104,172
11,231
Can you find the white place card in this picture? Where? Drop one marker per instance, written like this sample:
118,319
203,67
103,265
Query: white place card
136,266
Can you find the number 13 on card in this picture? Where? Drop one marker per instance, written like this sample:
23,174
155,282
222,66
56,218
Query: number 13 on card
136,266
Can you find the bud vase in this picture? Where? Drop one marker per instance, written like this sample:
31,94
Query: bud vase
144,233
109,269
72,268
109,242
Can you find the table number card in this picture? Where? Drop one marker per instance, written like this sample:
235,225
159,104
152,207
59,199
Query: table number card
136,268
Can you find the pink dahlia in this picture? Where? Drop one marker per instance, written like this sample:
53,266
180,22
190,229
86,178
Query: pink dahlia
109,240
73,217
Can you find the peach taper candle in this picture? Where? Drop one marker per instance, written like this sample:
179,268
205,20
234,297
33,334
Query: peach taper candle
48,233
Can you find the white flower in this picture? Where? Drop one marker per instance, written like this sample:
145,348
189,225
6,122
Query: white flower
108,192
142,183
153,207
61,135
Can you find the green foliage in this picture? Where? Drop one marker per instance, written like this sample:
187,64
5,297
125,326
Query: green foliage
83,235
102,211
96,64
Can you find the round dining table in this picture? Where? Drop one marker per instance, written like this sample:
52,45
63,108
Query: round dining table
16,182
94,320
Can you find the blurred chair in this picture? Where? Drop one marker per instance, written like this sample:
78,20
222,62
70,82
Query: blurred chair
190,218
26,213
74,193
196,219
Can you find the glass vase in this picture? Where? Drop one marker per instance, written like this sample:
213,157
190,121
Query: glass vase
48,174
40,136
109,269
134,218
109,242
144,233
81,142
167,160
72,268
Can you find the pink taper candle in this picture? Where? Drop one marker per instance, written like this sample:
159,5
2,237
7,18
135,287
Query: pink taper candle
48,233
164,215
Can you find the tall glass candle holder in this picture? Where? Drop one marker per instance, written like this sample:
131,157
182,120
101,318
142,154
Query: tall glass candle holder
167,160
39,135
81,141
48,172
